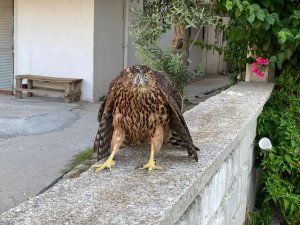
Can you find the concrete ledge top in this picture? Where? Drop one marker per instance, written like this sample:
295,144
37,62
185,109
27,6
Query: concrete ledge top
131,196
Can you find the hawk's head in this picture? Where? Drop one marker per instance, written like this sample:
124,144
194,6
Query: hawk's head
139,75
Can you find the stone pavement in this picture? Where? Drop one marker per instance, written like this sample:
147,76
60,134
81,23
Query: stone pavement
205,87
39,136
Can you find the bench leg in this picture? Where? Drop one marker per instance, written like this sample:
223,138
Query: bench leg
19,85
29,86
77,91
73,92
68,100
69,92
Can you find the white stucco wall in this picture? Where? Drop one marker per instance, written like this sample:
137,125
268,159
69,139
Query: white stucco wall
108,44
55,37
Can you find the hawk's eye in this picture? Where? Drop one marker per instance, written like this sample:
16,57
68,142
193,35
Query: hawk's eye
130,75
146,76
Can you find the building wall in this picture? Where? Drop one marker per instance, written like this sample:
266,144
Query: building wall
55,37
108,44
197,54
165,39
215,63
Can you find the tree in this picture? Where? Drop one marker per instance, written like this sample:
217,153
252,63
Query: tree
159,16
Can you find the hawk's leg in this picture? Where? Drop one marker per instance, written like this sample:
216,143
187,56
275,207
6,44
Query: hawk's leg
117,140
156,143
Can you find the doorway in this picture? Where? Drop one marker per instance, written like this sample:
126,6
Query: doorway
6,46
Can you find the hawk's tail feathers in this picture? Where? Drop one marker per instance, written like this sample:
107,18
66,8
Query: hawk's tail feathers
192,151
177,141
103,137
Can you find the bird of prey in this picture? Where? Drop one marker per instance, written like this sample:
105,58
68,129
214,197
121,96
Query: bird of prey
141,106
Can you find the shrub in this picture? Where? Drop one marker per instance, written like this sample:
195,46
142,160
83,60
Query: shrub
280,122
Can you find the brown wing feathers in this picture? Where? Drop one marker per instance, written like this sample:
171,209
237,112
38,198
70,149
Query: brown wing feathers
177,122
104,134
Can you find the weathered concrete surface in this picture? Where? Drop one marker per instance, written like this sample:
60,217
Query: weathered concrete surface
129,196
231,190
38,137
40,124
205,87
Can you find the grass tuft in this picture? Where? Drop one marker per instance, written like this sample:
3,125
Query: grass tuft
80,158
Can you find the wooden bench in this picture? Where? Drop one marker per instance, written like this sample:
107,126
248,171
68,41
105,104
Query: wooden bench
71,89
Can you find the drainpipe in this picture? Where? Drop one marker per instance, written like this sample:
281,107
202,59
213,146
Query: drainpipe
125,41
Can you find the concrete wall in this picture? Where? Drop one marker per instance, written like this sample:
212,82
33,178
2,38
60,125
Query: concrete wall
108,44
55,37
232,189
215,63
217,190
197,55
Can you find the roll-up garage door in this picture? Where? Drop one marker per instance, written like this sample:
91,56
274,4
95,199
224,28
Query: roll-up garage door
6,45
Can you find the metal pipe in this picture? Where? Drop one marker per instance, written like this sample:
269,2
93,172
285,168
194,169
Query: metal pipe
125,41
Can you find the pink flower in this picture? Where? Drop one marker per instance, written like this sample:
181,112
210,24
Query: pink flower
262,61
260,74
256,70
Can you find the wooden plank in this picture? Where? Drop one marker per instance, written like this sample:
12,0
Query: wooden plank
48,79
49,89
38,91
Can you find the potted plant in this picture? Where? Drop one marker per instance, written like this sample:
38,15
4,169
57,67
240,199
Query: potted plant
259,70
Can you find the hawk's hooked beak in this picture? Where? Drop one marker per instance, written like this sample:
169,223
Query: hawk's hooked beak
139,80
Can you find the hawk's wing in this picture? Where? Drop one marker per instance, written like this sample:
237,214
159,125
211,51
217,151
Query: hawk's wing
177,122
104,134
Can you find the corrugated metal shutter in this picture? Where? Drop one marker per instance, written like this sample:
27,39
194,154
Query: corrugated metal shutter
6,44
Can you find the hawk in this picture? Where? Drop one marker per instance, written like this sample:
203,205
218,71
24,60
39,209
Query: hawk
141,106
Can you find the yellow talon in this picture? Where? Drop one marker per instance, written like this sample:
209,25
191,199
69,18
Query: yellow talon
151,166
109,163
